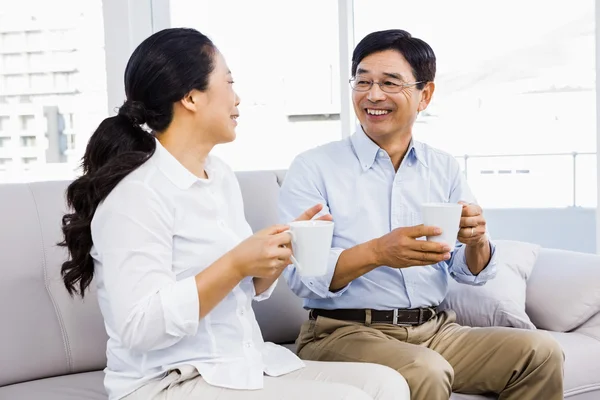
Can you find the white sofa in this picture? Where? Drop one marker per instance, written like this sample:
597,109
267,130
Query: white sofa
52,347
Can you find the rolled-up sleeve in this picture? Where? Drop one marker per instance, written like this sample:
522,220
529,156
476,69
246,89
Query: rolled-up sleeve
459,270
133,236
303,188
266,294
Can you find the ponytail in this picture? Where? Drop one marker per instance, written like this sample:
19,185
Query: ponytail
161,71
116,148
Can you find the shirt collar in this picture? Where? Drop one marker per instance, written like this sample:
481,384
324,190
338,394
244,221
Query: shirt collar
174,170
366,149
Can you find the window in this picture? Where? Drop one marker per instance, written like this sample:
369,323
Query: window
61,81
35,40
13,41
28,141
14,63
4,121
286,74
505,89
27,122
40,82
28,160
37,61
48,45
4,142
15,84
71,142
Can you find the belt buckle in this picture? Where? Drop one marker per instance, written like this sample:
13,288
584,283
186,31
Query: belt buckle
395,319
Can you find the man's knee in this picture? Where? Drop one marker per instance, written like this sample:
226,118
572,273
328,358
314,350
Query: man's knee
542,349
428,368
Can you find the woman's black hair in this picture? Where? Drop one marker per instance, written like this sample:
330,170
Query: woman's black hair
162,70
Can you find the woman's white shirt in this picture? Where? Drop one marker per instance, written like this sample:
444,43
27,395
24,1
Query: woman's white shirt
154,232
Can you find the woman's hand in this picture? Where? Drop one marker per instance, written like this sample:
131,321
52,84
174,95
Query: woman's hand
264,254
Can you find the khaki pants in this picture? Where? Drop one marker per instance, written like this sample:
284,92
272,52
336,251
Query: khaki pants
441,356
319,380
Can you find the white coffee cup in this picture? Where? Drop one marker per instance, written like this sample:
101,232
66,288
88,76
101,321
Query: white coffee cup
311,243
445,216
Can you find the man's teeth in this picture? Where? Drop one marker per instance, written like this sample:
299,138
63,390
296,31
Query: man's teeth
377,112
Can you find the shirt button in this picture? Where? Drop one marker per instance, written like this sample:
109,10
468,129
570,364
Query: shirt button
247,344
221,223
242,312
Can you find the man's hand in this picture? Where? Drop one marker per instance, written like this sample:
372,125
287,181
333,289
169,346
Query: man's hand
472,225
311,212
401,249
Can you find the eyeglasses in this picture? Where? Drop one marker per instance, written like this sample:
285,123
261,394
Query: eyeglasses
363,85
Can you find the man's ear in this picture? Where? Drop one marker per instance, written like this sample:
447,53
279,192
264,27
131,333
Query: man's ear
426,95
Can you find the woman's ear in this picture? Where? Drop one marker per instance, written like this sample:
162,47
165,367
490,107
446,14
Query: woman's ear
190,101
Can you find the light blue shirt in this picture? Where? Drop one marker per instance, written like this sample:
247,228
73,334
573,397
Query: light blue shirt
356,182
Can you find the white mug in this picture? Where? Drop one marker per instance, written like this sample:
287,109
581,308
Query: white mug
311,243
445,216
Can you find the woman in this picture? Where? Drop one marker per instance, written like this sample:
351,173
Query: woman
159,223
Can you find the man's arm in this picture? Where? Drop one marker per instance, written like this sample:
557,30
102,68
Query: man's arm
473,262
354,263
478,255
303,187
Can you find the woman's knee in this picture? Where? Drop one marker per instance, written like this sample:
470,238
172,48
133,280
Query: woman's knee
341,391
386,383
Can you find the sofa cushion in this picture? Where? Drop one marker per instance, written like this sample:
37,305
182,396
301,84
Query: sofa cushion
501,301
260,191
281,316
85,386
582,365
50,333
563,291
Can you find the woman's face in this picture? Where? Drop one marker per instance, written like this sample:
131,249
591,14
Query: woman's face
217,116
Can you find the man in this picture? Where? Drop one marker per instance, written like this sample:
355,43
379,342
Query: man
377,303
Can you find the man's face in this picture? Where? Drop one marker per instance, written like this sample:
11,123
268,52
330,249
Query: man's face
385,115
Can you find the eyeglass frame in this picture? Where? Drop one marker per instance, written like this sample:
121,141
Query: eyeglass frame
400,85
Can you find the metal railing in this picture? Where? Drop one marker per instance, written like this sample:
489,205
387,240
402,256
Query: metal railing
574,155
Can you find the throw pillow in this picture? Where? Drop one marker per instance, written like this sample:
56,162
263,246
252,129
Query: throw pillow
500,301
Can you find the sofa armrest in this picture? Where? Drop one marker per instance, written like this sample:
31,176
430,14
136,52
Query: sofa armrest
563,290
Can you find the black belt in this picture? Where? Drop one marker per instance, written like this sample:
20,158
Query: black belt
402,316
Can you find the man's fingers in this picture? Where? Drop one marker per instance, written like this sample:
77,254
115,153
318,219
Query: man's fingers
471,210
424,258
422,230
467,222
471,231
310,213
326,217
274,230
429,247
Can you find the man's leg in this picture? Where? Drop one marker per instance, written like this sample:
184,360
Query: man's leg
518,364
429,376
